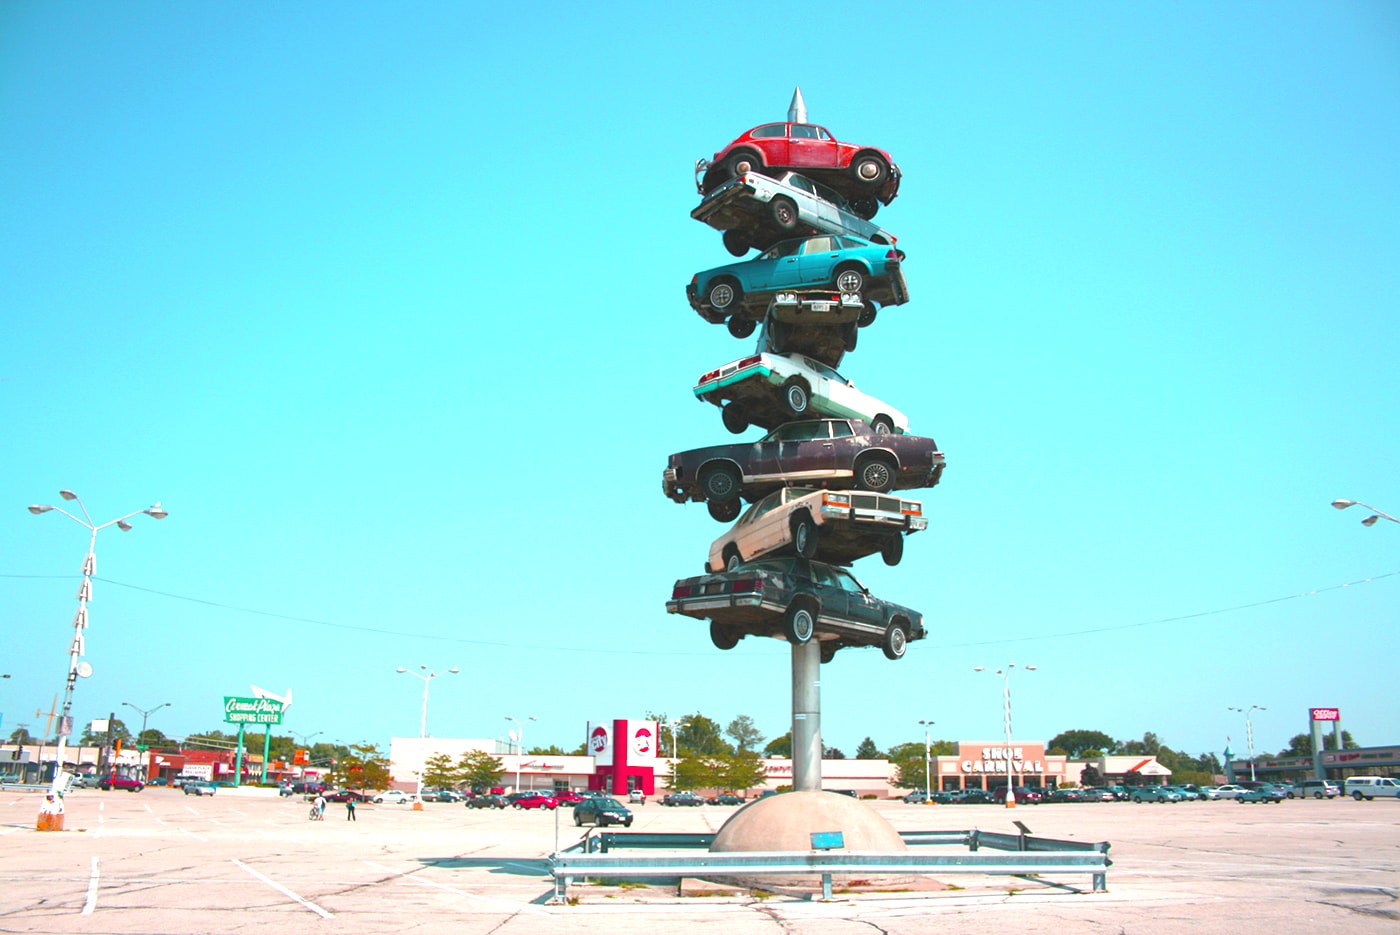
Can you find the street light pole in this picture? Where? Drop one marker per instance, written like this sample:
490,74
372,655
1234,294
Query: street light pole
427,676
1370,520
76,667
1249,733
144,715
928,783
518,735
1006,703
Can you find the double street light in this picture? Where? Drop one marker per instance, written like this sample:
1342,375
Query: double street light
427,675
1249,733
1370,520
76,667
144,715
1006,702
518,735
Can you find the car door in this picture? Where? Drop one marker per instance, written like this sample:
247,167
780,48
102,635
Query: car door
817,260
835,600
778,267
806,451
863,609
810,145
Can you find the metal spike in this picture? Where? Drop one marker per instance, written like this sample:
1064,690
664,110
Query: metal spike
797,110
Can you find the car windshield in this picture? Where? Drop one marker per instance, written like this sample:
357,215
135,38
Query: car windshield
606,803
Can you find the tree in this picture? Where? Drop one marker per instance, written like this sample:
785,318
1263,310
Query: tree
1091,776
118,731
439,772
479,770
150,737
694,772
1149,745
909,772
868,751
1301,744
745,735
551,750
364,767
905,751
1077,743
21,735
741,772
833,753
697,735
779,746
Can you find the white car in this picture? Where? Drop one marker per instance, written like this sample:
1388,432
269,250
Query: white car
835,526
392,797
757,211
768,390
1229,792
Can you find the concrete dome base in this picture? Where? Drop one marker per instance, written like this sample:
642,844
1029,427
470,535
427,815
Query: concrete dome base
786,822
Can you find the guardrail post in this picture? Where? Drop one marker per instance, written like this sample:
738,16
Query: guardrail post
826,887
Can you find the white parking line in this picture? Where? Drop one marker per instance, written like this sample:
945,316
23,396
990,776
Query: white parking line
416,881
192,834
284,891
10,830
91,902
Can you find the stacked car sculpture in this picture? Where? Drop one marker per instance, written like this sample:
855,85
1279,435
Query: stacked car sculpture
820,481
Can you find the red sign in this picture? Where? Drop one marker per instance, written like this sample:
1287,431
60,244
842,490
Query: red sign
1326,714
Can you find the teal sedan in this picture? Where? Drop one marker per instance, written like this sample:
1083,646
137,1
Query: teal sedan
741,292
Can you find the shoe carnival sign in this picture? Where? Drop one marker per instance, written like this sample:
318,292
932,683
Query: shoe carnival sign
997,759
252,710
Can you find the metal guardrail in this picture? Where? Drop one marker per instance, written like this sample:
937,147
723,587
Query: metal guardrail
1017,855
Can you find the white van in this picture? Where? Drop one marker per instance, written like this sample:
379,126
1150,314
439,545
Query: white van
1371,787
1317,788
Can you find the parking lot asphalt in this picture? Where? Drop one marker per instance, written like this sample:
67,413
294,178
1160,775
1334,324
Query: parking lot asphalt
162,862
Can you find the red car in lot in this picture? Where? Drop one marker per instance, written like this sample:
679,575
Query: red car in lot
532,800
864,175
568,797
121,782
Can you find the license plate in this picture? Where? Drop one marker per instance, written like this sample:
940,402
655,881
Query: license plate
821,306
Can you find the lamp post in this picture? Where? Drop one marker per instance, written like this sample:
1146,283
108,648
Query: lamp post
427,675
1249,733
144,715
1006,703
928,783
1370,520
518,735
76,667
305,740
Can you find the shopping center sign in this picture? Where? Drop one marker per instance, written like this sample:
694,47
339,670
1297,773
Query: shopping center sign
252,710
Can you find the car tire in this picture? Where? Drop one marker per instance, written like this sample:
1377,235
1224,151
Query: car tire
865,207
784,214
869,169
896,640
883,425
796,396
736,243
777,336
799,623
734,418
578,820
731,556
867,315
742,162
804,535
875,473
724,294
739,326
1356,796
724,512
892,550
627,823
828,650
724,636
849,278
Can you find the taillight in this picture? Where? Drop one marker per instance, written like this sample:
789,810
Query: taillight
747,584
749,361
707,377
694,279
679,591
894,255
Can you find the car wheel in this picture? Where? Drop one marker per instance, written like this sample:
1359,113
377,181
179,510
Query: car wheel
1356,796
865,207
1317,795
724,293
736,243
896,641
828,650
741,327
849,279
741,162
804,536
720,482
732,558
799,623
777,336
726,511
578,819
724,636
784,214
627,823
869,169
867,315
875,474
892,550
883,425
795,396
734,419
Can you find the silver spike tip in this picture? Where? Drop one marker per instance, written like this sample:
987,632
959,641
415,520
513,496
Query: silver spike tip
797,110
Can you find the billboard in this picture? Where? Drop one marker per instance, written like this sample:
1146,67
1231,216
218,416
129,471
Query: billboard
1326,714
251,710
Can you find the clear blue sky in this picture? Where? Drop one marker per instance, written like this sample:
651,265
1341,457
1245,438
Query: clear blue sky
386,305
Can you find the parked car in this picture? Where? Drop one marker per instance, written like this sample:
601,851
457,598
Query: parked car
755,210
1142,794
835,526
1187,795
1065,795
1025,795
637,797
1097,794
567,797
796,600
1264,792
1372,787
1315,788
342,795
487,800
392,797
86,780
825,453
724,798
1203,793
602,810
195,787
770,389
740,293
864,174
125,783
971,797
532,799
442,795
681,798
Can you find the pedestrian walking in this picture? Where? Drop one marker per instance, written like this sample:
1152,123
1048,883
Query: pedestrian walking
320,807
350,808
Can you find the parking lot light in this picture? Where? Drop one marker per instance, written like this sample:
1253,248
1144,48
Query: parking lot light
1375,513
1006,704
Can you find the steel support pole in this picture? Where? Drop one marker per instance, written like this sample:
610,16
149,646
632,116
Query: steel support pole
806,717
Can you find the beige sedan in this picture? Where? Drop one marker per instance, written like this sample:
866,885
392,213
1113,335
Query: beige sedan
835,526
